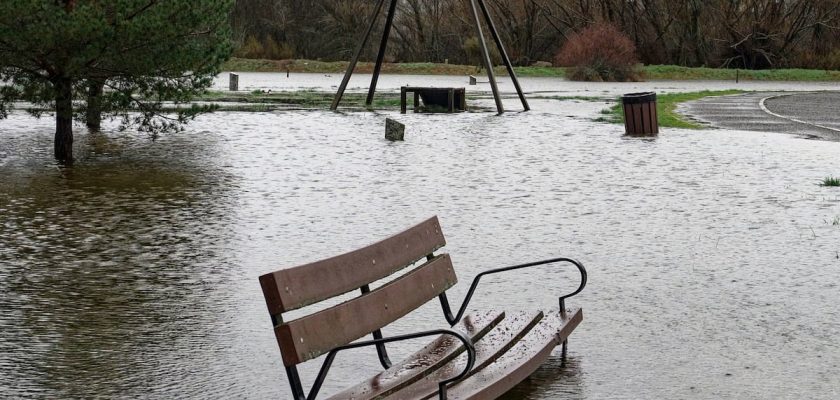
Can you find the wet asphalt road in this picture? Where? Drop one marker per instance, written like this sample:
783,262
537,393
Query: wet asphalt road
815,115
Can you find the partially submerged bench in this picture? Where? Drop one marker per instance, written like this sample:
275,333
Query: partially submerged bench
445,98
502,349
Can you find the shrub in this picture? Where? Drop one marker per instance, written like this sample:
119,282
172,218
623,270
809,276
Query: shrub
598,53
811,60
277,51
252,48
267,49
472,47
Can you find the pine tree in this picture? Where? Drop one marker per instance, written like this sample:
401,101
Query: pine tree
117,58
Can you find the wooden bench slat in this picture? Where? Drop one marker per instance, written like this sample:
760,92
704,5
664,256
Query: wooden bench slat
428,359
495,344
293,288
519,362
315,334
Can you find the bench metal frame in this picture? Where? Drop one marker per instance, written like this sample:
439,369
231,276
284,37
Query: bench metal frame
475,5
380,343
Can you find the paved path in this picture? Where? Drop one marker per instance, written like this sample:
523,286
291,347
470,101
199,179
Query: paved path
815,115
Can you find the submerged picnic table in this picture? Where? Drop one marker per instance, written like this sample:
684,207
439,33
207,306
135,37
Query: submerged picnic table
448,98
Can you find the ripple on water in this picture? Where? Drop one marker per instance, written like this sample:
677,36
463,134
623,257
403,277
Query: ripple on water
713,262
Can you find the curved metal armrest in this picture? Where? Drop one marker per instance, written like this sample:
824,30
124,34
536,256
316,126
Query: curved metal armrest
453,320
322,374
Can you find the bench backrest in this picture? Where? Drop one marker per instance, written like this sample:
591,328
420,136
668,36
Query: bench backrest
312,335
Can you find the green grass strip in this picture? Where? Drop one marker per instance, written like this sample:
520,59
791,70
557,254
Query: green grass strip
666,109
673,72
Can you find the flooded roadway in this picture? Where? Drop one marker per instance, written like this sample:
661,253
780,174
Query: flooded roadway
812,115
714,257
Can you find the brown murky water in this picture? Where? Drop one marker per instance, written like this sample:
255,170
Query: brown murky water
714,262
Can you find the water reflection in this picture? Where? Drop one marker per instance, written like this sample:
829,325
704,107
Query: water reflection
107,267
553,380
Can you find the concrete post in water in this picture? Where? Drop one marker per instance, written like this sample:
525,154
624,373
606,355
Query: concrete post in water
394,131
234,82
473,81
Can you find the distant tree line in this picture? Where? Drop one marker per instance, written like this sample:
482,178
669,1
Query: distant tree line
755,34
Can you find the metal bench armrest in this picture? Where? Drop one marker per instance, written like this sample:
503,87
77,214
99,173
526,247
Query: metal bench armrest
322,374
452,320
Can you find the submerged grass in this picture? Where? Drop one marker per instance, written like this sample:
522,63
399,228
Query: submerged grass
666,109
315,99
262,101
830,181
652,72
567,98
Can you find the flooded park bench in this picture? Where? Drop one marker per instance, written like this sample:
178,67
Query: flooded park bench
502,349
449,99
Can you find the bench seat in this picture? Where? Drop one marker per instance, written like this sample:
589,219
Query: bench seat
430,358
520,361
508,346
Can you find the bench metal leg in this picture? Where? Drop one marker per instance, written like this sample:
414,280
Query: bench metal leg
416,101
563,355
503,53
294,381
563,315
381,351
488,63
381,56
355,59
451,101
403,99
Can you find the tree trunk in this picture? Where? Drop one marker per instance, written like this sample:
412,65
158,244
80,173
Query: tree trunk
93,116
63,120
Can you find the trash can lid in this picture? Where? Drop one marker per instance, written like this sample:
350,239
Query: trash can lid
635,98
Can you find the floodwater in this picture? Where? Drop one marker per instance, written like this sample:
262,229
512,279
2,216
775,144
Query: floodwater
536,86
714,256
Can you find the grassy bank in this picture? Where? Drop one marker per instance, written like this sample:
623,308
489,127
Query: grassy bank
666,109
338,67
651,72
673,72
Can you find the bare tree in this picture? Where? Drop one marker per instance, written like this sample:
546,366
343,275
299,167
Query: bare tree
731,33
